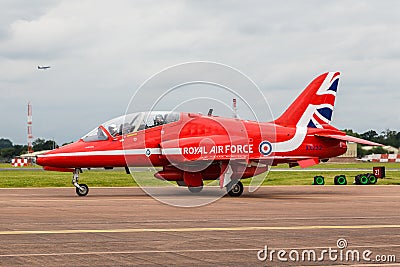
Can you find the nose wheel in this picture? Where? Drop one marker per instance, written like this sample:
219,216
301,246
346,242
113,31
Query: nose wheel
81,189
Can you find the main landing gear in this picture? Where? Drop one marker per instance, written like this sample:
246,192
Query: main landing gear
81,189
235,188
195,189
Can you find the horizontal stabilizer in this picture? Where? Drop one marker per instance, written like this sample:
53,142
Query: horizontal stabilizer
349,139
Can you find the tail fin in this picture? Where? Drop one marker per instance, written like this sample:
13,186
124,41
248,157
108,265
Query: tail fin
314,106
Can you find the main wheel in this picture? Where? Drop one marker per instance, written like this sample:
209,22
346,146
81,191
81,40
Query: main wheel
83,190
236,189
195,189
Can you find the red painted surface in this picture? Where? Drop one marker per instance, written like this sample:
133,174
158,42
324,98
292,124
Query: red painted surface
195,147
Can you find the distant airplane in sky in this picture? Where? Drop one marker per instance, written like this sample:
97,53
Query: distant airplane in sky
43,67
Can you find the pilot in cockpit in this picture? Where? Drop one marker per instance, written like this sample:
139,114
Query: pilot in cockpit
158,120
113,130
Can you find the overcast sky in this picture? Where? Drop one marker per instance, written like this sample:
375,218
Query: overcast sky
100,52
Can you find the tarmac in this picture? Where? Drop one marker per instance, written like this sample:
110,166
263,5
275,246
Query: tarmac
126,227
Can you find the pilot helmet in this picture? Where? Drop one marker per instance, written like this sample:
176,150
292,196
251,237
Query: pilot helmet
159,119
112,129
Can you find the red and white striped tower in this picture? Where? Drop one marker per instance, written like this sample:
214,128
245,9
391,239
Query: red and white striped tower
234,108
30,136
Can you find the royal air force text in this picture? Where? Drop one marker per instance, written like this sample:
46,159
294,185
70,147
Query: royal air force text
233,149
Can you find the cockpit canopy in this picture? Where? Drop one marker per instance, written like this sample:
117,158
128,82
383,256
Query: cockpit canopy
131,123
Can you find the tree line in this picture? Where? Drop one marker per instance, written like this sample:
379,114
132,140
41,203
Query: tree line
8,150
387,137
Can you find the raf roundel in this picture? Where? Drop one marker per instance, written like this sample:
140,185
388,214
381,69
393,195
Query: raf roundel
148,152
265,148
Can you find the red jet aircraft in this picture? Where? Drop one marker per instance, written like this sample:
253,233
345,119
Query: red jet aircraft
191,147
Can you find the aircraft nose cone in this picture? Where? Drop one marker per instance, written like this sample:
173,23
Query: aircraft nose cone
40,161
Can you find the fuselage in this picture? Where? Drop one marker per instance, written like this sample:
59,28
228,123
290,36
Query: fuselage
193,137
191,147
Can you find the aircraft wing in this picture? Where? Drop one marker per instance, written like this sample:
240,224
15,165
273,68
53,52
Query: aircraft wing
349,139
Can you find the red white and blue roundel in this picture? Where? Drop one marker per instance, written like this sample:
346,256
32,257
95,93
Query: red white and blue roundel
265,148
148,152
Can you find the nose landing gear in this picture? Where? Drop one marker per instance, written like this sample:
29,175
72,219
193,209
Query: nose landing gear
81,189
